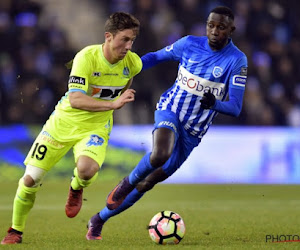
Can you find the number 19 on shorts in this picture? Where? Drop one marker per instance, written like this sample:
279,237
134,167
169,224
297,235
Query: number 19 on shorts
39,151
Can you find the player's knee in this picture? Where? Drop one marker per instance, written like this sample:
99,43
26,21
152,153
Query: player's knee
86,167
28,181
157,159
33,176
87,172
144,186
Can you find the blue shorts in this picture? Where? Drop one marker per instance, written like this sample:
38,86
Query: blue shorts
184,142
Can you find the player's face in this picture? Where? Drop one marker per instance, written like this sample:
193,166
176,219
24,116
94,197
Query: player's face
120,43
218,30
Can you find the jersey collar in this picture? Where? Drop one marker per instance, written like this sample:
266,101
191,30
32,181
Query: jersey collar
229,44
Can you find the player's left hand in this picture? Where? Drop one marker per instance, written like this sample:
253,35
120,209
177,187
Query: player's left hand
208,100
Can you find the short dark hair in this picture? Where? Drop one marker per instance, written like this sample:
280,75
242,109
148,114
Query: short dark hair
223,10
119,21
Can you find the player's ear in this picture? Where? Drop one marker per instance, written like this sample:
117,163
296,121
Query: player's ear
232,30
108,36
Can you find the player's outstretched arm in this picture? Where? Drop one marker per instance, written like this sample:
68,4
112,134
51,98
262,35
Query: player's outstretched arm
233,106
172,52
82,101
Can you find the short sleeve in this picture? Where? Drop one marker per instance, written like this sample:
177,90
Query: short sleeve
80,73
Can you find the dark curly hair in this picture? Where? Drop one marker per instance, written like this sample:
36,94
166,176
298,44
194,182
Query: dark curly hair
223,10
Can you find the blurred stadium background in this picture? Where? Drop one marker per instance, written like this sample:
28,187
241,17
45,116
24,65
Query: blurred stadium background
261,146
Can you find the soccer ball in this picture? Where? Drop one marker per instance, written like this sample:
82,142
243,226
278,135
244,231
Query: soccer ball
166,227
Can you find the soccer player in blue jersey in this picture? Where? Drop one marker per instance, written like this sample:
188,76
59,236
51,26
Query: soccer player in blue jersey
211,79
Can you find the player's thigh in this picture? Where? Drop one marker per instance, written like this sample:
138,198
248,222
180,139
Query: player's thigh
182,149
93,145
167,119
46,151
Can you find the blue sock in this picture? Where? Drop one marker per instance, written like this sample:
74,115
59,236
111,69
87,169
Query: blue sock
142,169
132,198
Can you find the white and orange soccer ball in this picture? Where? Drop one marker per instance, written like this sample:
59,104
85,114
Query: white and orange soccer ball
166,227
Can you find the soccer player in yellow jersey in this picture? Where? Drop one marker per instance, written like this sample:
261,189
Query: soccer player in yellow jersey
99,84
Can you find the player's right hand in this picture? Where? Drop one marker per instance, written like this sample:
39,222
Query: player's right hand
127,96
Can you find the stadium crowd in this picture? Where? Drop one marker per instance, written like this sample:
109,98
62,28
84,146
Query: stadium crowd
33,76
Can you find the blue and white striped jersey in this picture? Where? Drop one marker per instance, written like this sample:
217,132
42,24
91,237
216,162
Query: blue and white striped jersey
201,69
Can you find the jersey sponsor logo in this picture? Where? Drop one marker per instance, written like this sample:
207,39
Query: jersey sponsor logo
244,71
95,140
90,151
77,80
126,71
45,136
170,47
168,124
106,92
74,86
239,80
217,72
197,85
96,73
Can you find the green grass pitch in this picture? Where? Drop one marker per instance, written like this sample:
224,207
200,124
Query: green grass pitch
216,217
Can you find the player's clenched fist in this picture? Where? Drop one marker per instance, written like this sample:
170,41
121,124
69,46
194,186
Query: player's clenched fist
127,96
